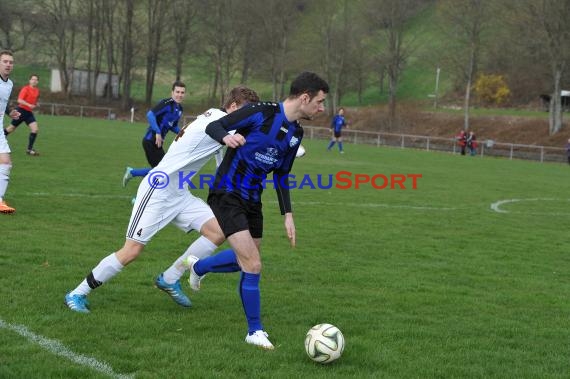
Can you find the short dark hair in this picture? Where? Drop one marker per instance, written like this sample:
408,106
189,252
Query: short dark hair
6,52
31,76
309,83
240,95
178,83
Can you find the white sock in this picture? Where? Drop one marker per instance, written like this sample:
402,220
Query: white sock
102,273
4,177
200,248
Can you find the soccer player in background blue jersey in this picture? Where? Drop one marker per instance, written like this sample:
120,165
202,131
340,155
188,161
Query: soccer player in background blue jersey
338,122
162,118
272,136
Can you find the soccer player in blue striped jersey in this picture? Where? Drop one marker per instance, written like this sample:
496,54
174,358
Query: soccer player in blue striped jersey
162,118
272,136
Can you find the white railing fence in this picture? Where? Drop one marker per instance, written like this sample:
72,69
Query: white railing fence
485,147
55,109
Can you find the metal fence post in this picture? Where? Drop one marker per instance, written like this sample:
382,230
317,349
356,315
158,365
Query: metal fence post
427,144
511,156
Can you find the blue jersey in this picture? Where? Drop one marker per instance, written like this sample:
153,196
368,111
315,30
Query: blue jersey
271,144
338,122
162,118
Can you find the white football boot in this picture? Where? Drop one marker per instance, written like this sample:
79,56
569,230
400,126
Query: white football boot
194,279
259,338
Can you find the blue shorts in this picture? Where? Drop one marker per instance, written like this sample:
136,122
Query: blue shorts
25,116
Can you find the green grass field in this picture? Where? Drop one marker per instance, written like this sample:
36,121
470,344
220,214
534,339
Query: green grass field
424,283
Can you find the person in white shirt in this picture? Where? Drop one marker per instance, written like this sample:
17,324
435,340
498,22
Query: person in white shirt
164,198
6,66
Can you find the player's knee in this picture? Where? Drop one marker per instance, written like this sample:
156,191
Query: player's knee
129,252
212,231
256,267
5,170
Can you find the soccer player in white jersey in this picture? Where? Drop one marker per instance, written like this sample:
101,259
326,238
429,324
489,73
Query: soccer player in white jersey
162,198
6,66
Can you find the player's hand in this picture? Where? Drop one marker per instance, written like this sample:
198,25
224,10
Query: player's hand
158,140
290,228
14,114
234,141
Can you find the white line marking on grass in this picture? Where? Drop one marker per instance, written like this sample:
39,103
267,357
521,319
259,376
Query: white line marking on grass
496,206
94,196
375,205
57,348
361,205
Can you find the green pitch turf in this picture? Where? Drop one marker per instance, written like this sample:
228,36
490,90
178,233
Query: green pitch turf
429,282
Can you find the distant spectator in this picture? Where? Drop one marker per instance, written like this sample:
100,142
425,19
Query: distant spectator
568,150
462,140
472,143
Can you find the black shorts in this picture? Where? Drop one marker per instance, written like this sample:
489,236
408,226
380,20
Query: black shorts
337,134
153,154
25,116
235,214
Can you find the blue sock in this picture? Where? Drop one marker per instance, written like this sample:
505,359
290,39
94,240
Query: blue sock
224,261
140,171
251,300
340,146
331,144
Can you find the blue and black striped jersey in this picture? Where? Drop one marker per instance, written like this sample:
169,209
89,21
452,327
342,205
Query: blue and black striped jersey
163,117
271,144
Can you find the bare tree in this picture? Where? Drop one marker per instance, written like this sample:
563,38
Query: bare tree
547,24
389,19
278,18
18,24
335,29
127,53
59,23
184,11
156,17
464,21
223,32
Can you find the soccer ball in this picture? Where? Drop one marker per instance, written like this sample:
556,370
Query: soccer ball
300,152
324,343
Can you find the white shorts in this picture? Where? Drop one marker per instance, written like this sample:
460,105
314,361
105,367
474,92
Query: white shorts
155,208
4,148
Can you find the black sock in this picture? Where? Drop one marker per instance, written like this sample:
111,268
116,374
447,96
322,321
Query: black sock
6,132
31,140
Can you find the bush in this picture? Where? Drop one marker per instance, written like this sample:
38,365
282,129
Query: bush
491,89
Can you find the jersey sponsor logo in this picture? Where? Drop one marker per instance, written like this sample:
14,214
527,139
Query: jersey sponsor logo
270,157
284,130
294,141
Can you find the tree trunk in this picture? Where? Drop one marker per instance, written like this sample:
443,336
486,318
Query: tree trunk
555,108
127,55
